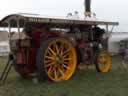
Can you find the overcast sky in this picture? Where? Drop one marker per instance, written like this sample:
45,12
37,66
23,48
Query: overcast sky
111,10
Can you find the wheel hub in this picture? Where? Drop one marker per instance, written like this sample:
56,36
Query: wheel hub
59,59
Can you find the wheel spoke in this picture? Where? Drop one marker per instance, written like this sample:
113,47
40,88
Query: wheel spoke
65,55
48,61
60,70
67,63
61,49
67,67
49,53
55,74
51,50
50,64
49,57
66,51
50,70
102,59
100,62
67,59
57,49
54,47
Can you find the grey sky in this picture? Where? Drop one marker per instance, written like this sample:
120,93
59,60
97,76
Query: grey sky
111,10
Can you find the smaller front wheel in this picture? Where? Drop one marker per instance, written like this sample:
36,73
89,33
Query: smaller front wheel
103,61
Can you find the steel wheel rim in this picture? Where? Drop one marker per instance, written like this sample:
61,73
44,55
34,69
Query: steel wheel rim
60,60
104,61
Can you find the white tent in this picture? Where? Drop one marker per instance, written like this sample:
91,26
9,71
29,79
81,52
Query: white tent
4,48
114,41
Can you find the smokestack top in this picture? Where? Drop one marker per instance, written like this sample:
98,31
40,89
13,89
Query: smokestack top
87,5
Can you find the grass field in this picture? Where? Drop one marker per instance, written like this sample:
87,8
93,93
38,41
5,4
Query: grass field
83,83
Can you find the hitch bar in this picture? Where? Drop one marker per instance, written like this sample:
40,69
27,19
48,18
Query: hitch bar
7,69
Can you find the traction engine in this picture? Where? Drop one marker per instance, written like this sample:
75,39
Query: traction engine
54,47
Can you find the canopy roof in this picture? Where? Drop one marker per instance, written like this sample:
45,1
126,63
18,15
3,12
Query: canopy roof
38,19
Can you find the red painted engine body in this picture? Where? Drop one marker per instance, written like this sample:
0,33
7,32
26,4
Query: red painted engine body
26,56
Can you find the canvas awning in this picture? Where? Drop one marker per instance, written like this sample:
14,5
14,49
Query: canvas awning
48,20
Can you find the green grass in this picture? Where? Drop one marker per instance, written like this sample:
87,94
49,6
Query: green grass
83,83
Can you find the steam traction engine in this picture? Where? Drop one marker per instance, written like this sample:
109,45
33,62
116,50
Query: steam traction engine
53,47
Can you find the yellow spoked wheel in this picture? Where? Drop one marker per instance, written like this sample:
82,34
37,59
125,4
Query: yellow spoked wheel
59,59
103,63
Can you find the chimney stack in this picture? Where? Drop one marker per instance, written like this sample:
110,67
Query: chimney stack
87,5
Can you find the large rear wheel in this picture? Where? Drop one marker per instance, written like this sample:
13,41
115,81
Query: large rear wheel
56,59
103,61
